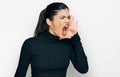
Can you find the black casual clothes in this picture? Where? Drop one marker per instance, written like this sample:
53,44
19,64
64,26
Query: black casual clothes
50,57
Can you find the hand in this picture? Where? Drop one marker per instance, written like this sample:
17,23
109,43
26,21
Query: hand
71,30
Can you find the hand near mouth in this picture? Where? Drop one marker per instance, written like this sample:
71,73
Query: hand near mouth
71,30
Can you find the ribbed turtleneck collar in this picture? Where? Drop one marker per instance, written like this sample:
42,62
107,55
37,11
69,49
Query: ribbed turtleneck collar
51,36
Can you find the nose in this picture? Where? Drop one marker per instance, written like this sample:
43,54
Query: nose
67,20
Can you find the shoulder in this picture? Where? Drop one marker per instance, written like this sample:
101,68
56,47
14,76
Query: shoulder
27,41
31,41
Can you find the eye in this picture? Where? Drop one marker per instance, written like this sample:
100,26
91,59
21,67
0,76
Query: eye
62,17
68,17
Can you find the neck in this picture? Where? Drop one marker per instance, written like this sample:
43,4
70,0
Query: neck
52,32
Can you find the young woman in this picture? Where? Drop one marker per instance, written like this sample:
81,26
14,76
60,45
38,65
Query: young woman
55,43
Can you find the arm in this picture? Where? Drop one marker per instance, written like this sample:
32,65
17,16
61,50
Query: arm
78,57
24,60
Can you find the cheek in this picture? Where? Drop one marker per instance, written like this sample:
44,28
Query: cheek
58,30
61,24
58,26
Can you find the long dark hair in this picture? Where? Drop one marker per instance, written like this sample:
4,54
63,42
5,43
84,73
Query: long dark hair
49,12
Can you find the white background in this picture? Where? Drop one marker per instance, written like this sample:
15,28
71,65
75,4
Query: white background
99,28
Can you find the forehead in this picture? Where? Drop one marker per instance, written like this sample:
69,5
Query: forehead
62,12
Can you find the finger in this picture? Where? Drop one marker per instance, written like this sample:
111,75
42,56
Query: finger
68,35
76,24
72,30
71,21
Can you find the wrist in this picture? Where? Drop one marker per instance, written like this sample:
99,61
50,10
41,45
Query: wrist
76,37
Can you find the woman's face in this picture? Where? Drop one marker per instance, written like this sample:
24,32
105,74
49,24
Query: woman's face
59,22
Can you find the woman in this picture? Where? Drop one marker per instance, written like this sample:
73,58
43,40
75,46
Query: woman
55,43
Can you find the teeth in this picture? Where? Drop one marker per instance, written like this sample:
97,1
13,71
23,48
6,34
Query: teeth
66,26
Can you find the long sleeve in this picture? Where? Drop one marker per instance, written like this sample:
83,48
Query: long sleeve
24,60
78,57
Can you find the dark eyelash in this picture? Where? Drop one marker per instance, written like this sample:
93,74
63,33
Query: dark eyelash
62,17
69,17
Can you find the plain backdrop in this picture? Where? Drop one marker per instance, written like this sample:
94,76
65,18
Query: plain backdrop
99,28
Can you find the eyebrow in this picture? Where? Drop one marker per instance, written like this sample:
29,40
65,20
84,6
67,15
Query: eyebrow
65,16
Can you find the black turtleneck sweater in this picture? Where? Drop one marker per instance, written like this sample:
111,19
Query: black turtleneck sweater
50,57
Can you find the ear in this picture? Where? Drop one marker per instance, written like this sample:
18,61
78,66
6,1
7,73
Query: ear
48,21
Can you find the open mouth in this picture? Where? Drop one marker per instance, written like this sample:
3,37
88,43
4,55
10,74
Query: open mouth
64,31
